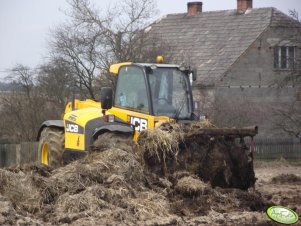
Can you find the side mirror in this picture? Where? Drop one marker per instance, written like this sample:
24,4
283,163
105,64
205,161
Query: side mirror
106,98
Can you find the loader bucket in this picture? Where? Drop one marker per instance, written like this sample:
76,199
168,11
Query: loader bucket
217,155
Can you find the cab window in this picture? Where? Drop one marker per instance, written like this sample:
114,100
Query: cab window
131,89
170,93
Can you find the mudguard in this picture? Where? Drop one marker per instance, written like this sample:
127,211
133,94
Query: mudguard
50,123
122,128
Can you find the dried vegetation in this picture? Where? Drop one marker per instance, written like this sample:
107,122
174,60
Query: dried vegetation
116,185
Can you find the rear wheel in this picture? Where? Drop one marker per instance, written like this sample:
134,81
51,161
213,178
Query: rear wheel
51,146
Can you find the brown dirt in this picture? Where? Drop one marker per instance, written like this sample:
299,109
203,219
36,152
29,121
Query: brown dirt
112,186
286,179
279,182
217,159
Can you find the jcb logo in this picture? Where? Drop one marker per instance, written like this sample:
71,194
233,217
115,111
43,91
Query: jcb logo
139,123
72,128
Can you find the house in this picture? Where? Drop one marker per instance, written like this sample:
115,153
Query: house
247,61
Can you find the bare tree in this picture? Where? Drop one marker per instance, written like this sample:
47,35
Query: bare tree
92,41
36,95
294,14
78,50
81,52
289,119
22,109
56,82
238,112
24,76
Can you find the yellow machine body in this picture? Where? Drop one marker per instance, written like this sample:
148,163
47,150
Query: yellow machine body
84,120
75,123
83,116
77,118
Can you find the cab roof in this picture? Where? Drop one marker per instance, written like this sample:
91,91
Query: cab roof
114,68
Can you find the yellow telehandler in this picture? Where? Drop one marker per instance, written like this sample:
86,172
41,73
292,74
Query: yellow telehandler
146,96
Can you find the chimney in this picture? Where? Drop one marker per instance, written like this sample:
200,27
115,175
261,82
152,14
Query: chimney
193,8
243,5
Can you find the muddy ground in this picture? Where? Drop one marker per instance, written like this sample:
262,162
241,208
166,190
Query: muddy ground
280,182
115,185
41,196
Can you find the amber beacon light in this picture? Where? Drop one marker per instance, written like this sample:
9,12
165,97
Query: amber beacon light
159,59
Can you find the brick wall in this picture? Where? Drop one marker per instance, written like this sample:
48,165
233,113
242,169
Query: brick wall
252,89
256,66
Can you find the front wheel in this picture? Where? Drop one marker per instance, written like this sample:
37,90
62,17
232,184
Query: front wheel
51,147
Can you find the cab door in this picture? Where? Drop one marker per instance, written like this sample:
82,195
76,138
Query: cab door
132,99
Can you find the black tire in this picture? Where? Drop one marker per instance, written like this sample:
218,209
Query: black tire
54,139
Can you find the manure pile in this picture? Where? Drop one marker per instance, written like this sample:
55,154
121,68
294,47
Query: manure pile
120,183
222,161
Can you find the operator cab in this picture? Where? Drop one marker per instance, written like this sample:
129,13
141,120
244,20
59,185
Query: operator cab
155,89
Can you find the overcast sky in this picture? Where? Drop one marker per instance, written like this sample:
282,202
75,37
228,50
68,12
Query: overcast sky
25,24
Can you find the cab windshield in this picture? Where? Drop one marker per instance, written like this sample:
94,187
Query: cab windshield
170,93
169,88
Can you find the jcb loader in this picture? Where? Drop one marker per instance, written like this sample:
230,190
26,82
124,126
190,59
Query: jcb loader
146,96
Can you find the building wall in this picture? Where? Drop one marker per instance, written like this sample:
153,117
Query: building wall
252,91
253,87
204,100
256,66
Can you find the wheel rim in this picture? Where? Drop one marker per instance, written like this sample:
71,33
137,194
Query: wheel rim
45,154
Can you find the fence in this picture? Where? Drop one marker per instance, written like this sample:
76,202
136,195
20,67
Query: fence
268,149
15,154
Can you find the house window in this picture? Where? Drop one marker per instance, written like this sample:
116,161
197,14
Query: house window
284,57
